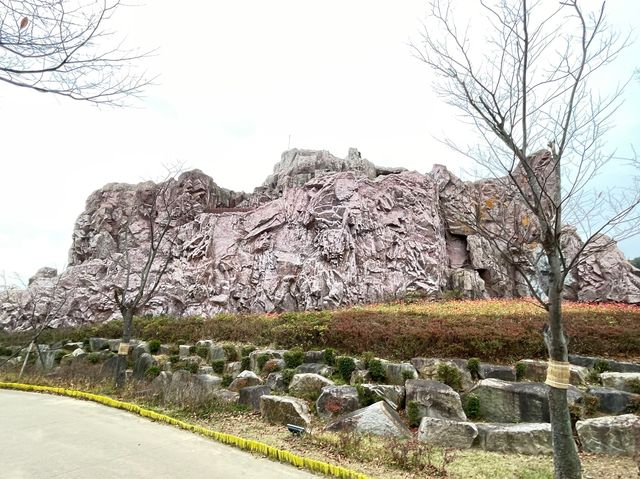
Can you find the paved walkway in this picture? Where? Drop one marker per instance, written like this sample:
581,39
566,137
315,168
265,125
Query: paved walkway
58,437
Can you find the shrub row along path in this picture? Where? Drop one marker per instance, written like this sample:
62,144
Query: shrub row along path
60,437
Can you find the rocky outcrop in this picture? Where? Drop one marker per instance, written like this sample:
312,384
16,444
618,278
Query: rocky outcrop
322,232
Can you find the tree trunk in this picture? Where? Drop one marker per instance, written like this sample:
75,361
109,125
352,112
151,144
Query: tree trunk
121,367
565,453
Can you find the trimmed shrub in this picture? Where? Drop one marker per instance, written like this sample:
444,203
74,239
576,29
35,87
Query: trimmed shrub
231,352
376,371
202,351
472,406
226,380
329,356
413,413
521,370
218,366
287,376
367,356
366,397
294,358
450,375
634,385
473,364
154,346
152,371
93,358
245,363
600,366
261,360
346,366
246,350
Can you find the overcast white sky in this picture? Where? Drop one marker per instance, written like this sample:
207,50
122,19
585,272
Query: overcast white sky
236,79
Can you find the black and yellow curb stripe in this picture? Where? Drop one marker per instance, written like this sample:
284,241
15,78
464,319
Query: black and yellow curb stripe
229,439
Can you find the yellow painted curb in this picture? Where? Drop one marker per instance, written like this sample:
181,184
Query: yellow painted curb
241,443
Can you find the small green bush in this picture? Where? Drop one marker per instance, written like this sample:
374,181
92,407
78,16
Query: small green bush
376,371
174,359
294,358
406,375
203,351
154,346
634,385
366,397
93,358
192,350
366,358
60,353
472,406
218,366
413,413
601,366
473,364
521,371
245,363
633,407
226,380
346,366
152,371
287,376
247,350
190,366
261,360
174,350
593,377
5,351
231,352
450,375
329,356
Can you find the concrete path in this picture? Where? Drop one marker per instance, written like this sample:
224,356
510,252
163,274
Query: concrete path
58,437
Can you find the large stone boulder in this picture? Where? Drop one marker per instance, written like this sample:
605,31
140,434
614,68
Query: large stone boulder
394,396
497,371
144,362
308,385
447,433
337,400
250,396
434,399
284,410
524,438
611,365
379,419
536,371
614,401
244,380
507,402
315,368
629,382
615,435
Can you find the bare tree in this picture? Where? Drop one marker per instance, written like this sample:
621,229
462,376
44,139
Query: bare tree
142,252
526,91
33,309
64,48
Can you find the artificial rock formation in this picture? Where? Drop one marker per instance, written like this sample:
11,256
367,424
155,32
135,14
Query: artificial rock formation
321,232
